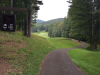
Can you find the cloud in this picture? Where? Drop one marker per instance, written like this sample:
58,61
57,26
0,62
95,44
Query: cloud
52,9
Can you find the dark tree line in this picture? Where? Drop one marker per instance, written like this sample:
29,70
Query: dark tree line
55,29
83,21
23,18
40,28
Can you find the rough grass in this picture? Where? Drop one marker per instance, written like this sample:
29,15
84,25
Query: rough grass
88,61
24,54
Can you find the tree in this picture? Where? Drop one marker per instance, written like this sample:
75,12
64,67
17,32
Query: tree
26,16
85,25
55,29
38,30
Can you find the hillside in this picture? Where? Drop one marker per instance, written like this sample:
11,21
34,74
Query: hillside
20,55
39,21
50,21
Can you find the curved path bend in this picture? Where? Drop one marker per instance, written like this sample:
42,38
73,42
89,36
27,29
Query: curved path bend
58,62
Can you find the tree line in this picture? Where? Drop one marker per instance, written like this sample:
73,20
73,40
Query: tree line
23,18
55,29
82,22
45,25
37,28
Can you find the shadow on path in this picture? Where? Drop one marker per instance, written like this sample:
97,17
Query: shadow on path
58,62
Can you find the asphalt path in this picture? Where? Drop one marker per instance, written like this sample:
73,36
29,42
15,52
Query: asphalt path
58,62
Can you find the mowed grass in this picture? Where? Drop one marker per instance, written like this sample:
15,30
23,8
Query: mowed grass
23,53
88,61
42,33
61,43
58,42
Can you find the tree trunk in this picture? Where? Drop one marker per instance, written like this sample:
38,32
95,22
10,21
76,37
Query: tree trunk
0,16
25,31
22,25
92,28
96,30
29,23
19,25
11,12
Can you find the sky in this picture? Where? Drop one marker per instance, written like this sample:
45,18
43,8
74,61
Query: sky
52,9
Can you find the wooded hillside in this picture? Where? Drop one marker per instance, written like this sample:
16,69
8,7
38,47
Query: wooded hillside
45,25
83,21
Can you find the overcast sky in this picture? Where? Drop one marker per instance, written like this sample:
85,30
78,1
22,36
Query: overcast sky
52,9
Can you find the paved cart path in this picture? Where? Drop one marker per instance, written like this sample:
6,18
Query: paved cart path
58,62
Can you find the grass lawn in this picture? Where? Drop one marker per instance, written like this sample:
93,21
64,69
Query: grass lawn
61,43
58,42
88,61
23,55
42,33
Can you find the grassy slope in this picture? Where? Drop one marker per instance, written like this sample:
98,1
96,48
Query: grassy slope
27,58
26,54
88,61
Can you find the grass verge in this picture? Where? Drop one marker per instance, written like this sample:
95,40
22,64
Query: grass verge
86,60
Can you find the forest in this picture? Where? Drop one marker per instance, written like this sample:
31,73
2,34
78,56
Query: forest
24,19
45,25
81,23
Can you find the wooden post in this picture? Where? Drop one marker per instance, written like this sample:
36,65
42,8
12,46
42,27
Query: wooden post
11,12
29,23
11,6
0,14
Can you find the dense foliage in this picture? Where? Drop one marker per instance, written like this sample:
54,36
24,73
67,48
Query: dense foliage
45,25
23,18
55,29
83,20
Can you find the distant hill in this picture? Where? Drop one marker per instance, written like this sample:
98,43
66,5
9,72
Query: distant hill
39,21
50,21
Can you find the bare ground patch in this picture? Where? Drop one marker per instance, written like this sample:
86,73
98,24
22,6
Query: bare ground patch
8,52
7,67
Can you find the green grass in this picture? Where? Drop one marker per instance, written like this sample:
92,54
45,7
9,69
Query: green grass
88,61
27,53
58,42
27,58
42,33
